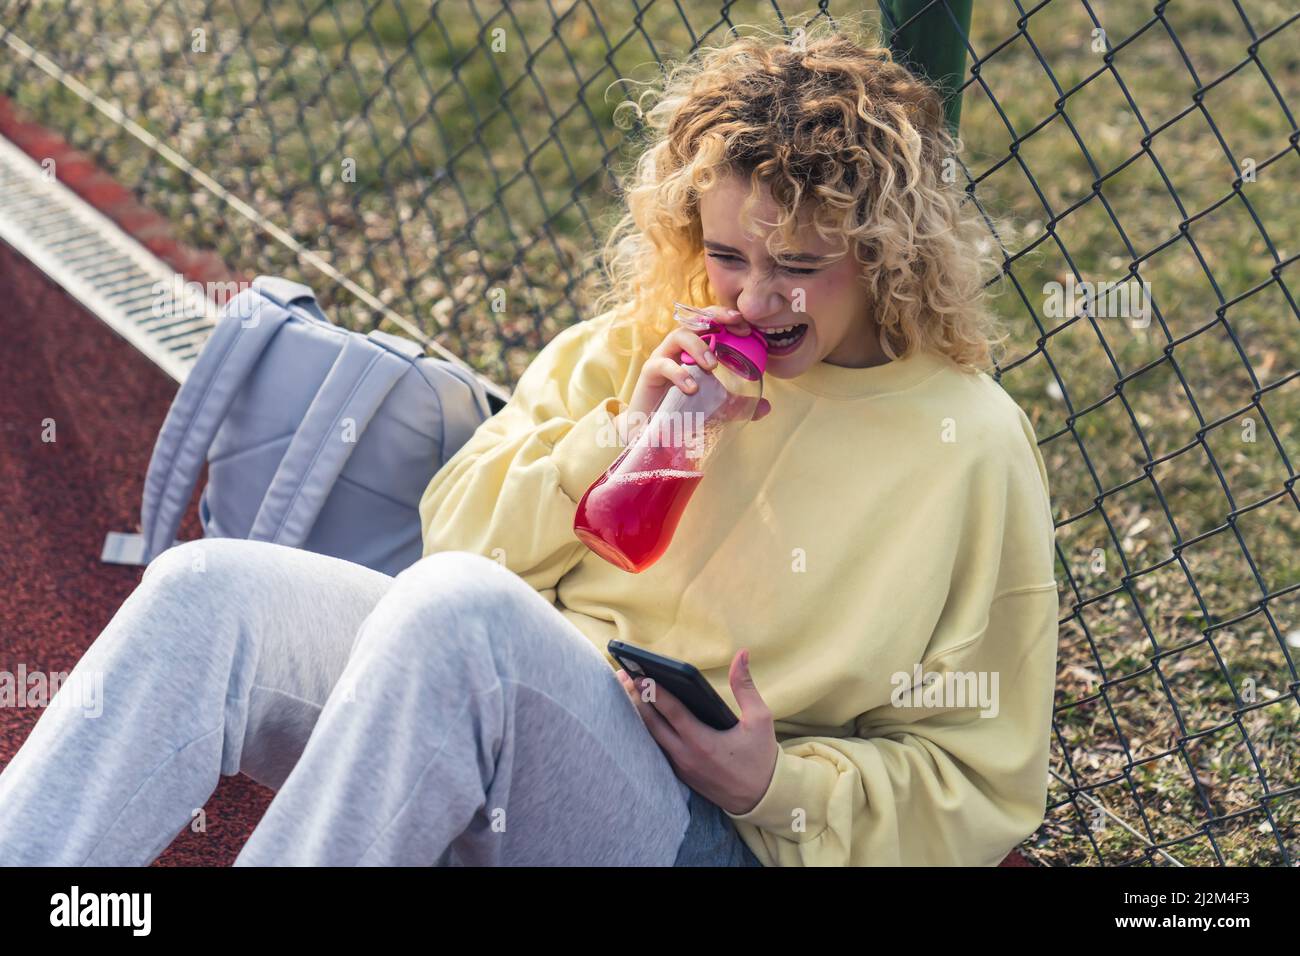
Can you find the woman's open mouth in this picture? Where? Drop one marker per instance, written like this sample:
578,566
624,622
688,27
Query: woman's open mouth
785,341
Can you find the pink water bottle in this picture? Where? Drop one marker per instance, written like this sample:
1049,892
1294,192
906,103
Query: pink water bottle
629,514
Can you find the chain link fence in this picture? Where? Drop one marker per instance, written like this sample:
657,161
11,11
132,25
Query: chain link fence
1135,164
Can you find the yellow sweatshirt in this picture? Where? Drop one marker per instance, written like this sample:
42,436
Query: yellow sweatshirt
878,527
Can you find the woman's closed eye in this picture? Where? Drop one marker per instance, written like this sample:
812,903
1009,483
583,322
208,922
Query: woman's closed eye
790,269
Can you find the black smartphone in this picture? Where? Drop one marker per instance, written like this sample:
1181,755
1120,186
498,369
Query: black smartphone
683,680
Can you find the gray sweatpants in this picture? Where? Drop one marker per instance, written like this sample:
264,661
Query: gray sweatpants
447,716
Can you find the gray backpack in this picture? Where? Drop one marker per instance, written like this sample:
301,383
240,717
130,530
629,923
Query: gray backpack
315,437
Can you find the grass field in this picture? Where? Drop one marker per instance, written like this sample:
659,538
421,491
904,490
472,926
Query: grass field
482,139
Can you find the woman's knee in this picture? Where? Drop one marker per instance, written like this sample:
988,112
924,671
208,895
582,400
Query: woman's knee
208,578
207,560
448,596
177,560
459,581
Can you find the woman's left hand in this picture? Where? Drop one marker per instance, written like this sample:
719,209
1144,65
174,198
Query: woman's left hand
732,768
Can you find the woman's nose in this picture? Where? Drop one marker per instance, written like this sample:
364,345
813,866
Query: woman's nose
760,305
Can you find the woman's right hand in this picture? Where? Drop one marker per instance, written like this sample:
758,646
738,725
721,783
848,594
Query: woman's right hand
664,369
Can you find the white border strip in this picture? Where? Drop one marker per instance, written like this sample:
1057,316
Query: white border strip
59,199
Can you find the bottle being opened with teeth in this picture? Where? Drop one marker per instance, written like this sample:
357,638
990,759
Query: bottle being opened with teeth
629,513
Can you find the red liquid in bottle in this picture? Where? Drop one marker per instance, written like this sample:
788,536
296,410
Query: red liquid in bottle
628,518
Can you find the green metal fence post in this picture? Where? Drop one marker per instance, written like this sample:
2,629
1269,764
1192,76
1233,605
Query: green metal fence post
929,38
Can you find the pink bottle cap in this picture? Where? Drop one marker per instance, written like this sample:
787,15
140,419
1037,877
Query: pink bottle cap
752,347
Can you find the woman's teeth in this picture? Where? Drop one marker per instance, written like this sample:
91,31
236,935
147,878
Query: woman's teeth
781,339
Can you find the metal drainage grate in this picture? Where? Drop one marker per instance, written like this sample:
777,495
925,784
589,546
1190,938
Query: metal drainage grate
107,271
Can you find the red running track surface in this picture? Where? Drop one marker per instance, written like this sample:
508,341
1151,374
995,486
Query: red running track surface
58,499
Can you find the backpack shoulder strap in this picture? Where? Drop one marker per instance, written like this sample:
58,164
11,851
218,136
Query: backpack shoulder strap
247,325
356,386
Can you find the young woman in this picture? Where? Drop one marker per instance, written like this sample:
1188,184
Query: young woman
865,574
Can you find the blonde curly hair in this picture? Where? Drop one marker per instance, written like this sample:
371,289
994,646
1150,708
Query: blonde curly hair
841,134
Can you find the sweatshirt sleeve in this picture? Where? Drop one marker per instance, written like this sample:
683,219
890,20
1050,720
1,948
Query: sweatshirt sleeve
927,785
511,491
